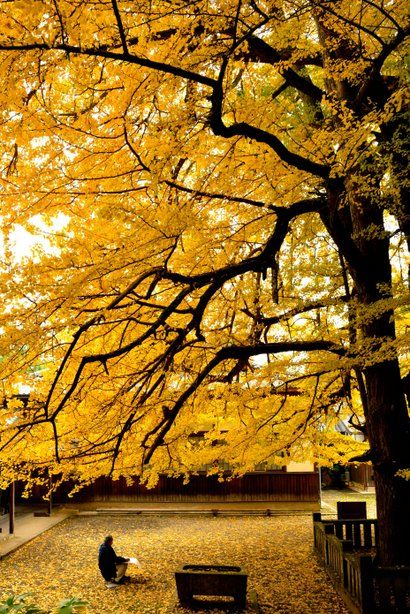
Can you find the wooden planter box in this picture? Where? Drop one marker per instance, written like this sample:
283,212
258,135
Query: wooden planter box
211,580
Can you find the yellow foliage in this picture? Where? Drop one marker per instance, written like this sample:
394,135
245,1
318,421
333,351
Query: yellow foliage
193,232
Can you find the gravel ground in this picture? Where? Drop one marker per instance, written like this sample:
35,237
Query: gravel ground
276,552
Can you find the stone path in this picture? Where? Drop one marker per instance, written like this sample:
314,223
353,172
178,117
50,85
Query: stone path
26,528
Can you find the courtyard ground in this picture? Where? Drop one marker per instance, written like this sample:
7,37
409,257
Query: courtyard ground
275,551
331,497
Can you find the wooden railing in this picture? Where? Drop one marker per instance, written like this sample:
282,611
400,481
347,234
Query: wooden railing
358,581
335,555
365,587
363,533
351,577
319,537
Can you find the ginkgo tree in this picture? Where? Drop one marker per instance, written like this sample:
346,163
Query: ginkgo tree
214,197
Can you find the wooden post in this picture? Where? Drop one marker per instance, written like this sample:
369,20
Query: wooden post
317,517
347,546
11,507
351,510
329,530
50,499
367,584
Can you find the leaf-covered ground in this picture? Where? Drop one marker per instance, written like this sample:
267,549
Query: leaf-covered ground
276,552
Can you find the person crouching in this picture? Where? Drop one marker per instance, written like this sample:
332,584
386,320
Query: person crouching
112,567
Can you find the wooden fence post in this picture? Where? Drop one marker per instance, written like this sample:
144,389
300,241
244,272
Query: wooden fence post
329,530
50,500
12,500
347,546
367,583
317,517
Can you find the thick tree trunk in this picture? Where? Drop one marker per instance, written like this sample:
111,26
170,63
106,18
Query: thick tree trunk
388,429
354,218
352,224
387,419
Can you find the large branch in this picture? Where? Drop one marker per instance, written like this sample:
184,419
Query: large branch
103,357
216,123
213,279
199,193
291,313
257,134
259,48
235,352
120,26
262,260
100,52
377,65
84,327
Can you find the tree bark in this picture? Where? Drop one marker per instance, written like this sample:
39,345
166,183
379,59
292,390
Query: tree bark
365,247
387,418
388,430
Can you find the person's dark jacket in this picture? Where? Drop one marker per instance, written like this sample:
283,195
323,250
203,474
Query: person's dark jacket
107,561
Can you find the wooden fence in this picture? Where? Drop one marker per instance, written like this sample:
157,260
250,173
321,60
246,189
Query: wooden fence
346,549
361,475
362,533
257,486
